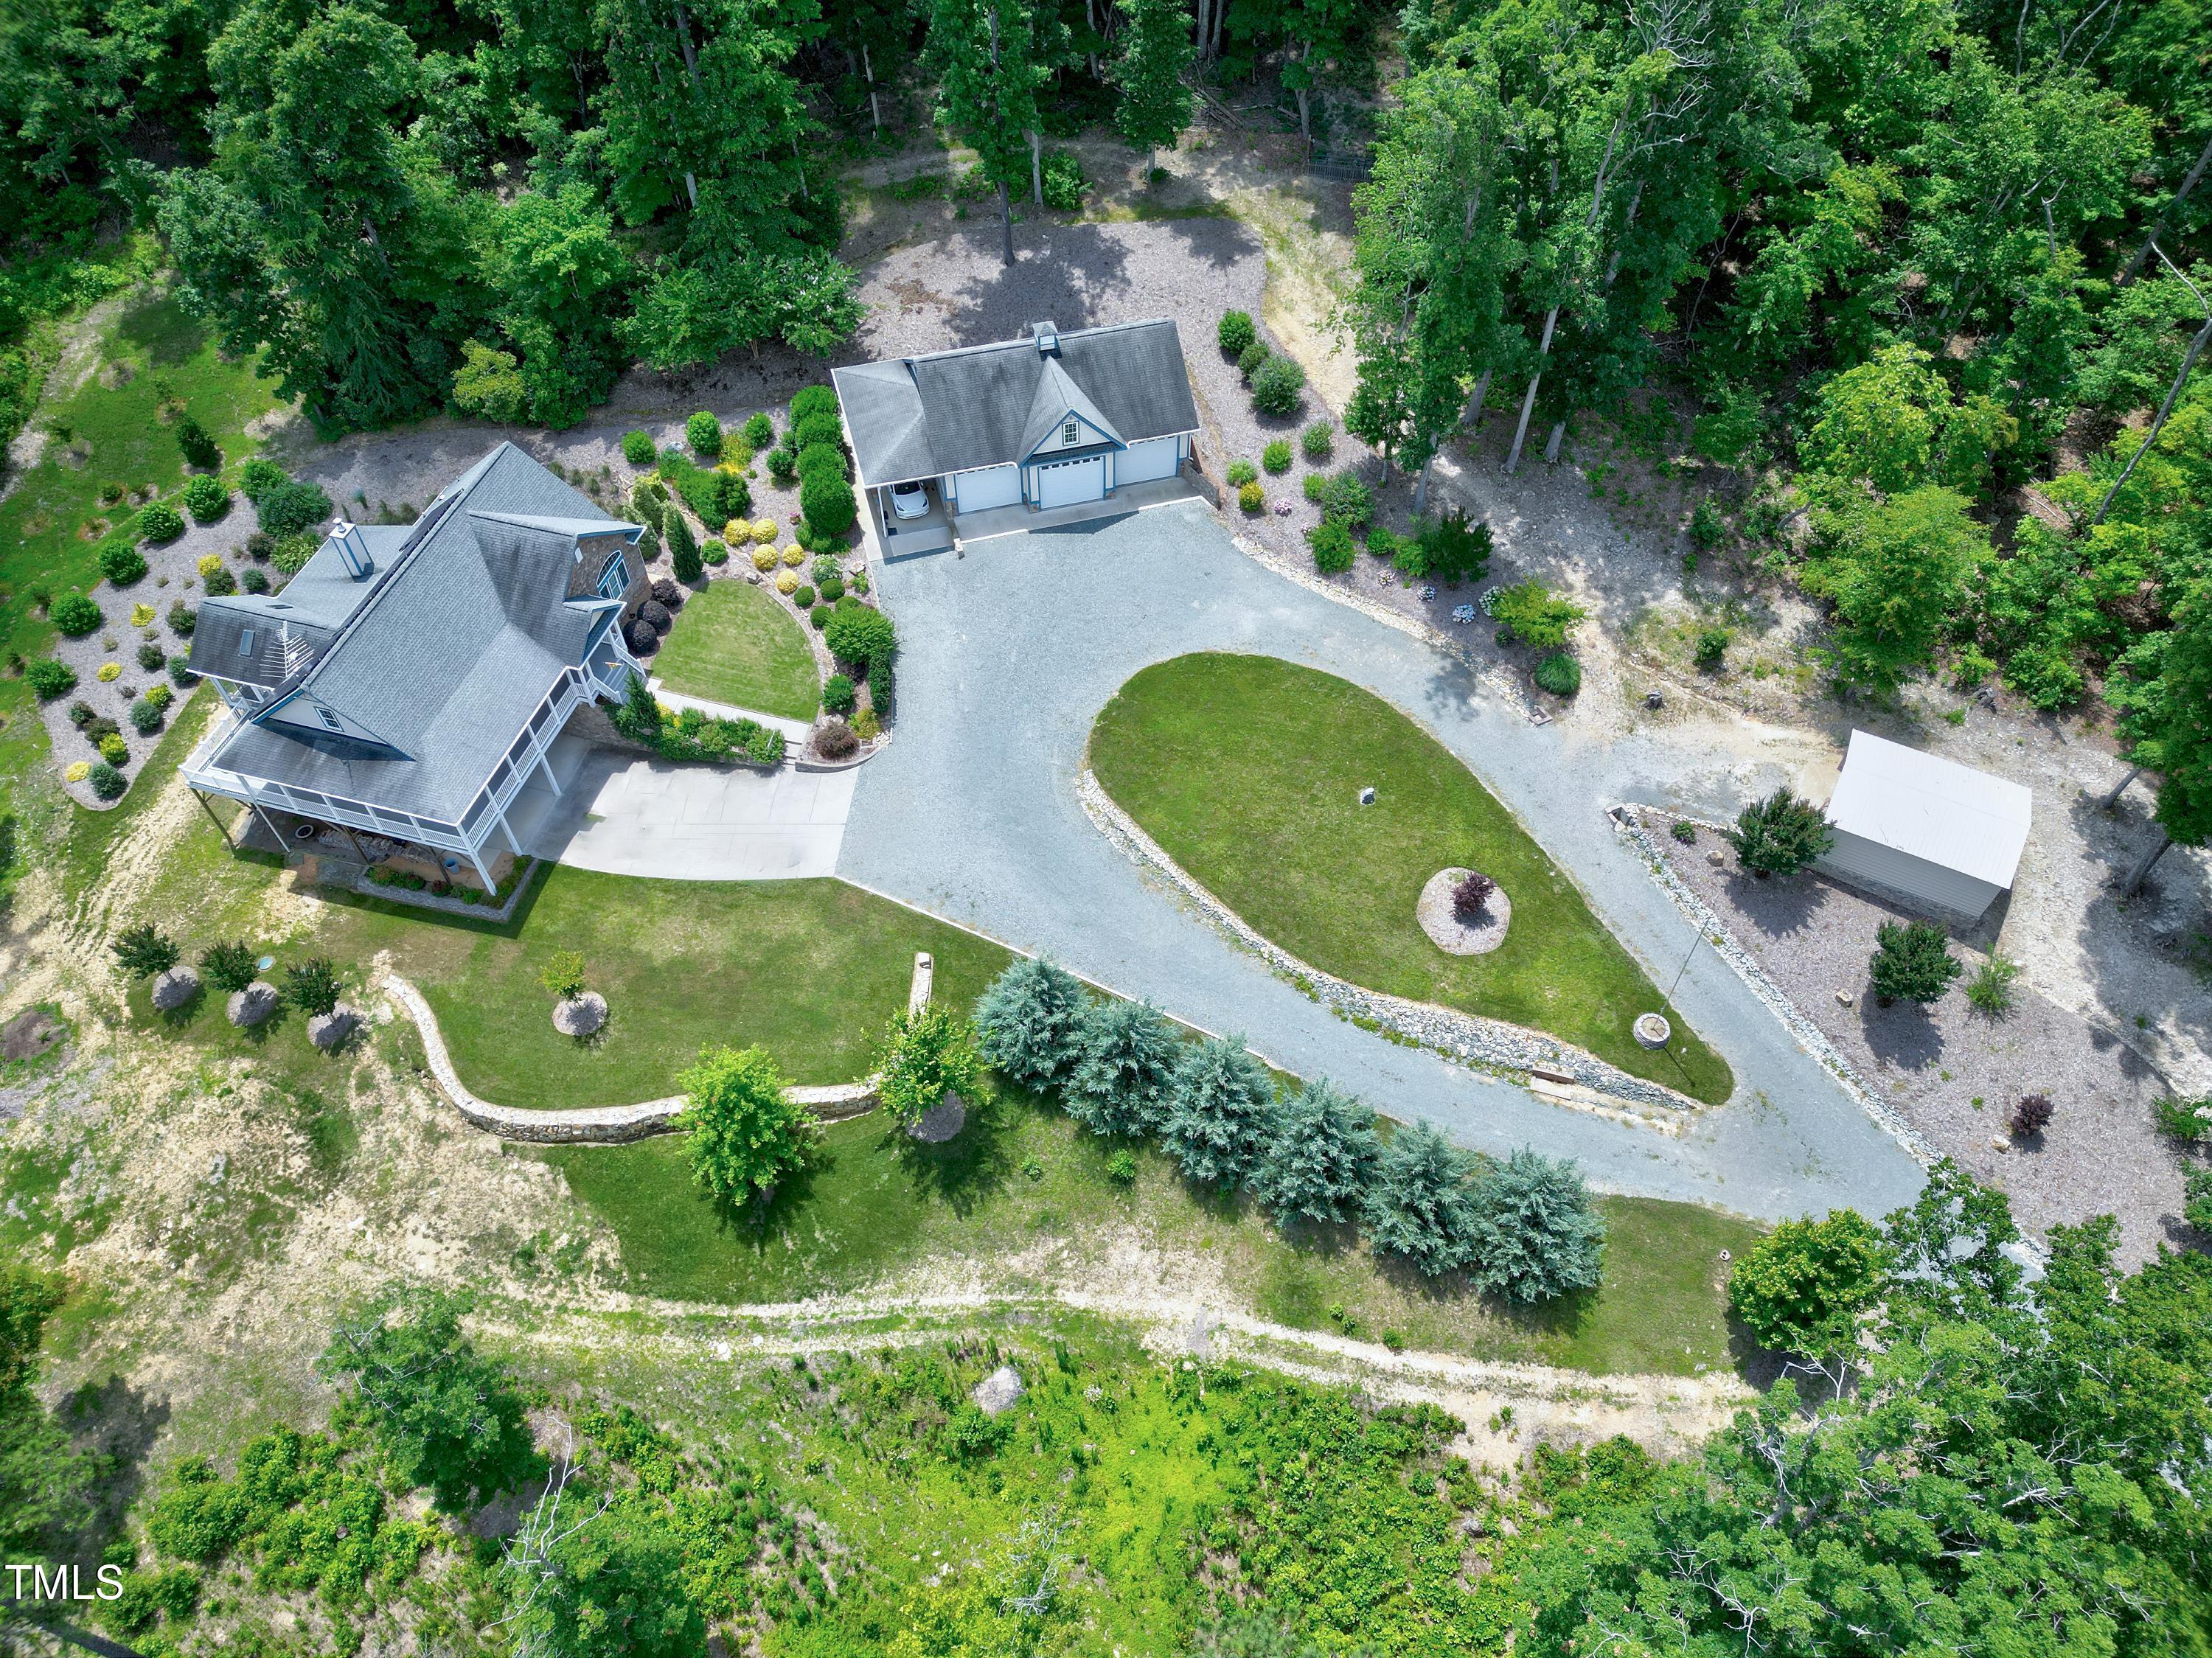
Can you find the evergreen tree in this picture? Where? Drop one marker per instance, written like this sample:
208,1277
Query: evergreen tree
1320,1156
683,549
1155,54
986,86
144,950
1420,1205
1032,1022
1222,1115
1913,960
2164,691
1126,1055
1535,1235
1780,834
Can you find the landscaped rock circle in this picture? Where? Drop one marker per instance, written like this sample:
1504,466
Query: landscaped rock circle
250,1007
327,1030
173,989
942,1121
580,1016
1446,929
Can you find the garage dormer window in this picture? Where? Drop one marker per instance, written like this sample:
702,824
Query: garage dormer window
1067,433
331,720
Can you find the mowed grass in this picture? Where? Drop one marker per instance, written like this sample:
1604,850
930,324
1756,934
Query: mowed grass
1023,1175
1248,770
733,643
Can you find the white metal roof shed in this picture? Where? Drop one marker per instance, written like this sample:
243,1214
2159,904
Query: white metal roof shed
1929,830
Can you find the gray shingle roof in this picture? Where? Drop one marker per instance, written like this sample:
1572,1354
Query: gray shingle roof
954,410
444,650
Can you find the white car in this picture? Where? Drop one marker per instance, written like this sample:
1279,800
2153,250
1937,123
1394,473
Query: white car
908,500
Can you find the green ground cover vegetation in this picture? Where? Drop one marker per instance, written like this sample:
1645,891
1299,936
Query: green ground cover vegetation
1248,770
734,643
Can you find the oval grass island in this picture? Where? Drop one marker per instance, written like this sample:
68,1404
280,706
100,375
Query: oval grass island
1247,770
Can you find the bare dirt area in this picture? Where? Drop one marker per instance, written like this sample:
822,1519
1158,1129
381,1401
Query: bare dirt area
1955,1074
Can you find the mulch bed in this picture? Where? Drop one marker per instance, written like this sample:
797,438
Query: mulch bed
1955,1074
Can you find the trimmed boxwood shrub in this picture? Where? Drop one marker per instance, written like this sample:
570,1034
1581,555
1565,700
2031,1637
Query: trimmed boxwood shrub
75,615
1253,358
704,432
152,656
51,678
829,505
760,432
107,782
803,596
259,477
832,589
1251,497
159,521
638,448
818,428
819,616
121,563
206,497
292,508
1279,387
1560,674
1235,332
813,400
1332,546
782,464
838,696
1276,457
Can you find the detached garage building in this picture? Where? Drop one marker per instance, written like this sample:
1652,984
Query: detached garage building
1053,420
1927,833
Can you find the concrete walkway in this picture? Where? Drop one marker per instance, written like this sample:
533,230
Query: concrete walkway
797,732
626,814
1011,651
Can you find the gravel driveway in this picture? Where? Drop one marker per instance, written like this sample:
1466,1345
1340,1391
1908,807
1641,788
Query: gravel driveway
1011,651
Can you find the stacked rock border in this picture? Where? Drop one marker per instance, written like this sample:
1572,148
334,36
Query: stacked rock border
1465,1038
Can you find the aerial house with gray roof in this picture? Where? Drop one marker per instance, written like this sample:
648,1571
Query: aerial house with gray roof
1051,421
411,678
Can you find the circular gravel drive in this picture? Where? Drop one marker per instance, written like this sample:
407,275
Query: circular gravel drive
1008,654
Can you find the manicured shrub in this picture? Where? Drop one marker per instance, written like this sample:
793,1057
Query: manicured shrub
219,585
1276,457
829,505
121,563
159,521
114,749
1252,359
1536,1236
926,1053
823,460
682,550
859,636
638,448
664,591
1321,1158
823,429
1221,1113
259,477
182,618
1349,501
819,616
313,986
50,678
1316,486
832,589
1531,612
836,740
712,554
161,696
1802,1288
145,719
1420,1206
803,596
228,967
1252,498
107,783
254,581
1235,332
206,498
1780,834
180,672
648,507
144,950
642,638
1279,387
1560,674
742,1133
760,432
1126,1054
1471,897
200,449
1240,473
782,464
1332,547
704,433
291,508
655,616
1318,441
2031,1116
838,697
1030,1022
1913,960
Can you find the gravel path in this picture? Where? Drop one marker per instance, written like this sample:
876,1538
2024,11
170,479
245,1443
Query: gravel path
1012,651
1955,1074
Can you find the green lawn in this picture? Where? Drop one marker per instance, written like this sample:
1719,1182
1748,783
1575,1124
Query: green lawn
734,643
1248,770
1021,1173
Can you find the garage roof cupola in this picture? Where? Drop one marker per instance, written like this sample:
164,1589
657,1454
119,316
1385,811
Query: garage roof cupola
353,549
1047,335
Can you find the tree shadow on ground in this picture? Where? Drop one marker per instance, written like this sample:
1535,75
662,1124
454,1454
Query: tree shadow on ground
1780,909
976,1163
1903,1034
117,1423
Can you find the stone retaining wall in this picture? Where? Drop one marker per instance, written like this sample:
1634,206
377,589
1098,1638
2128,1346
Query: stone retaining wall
1482,1044
598,1125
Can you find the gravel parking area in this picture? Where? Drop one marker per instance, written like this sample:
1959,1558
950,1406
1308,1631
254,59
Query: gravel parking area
1954,1074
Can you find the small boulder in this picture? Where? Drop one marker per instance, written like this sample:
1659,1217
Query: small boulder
327,1030
580,1016
999,1391
942,1121
252,1005
173,989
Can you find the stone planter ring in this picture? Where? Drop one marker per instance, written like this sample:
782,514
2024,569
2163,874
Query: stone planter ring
1652,1029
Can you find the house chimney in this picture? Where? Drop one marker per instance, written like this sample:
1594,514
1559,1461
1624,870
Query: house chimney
1047,335
353,548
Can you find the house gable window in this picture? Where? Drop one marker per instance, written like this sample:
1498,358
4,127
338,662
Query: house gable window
1070,432
330,720
613,578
